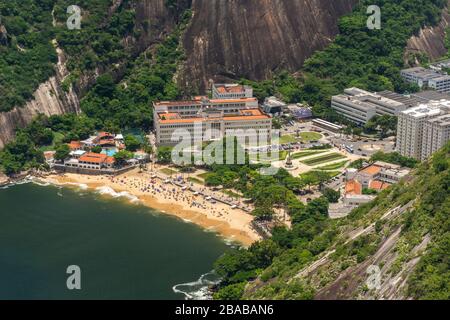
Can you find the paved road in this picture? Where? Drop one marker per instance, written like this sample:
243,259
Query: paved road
364,147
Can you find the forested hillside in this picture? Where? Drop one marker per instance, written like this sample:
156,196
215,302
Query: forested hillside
27,55
404,232
124,82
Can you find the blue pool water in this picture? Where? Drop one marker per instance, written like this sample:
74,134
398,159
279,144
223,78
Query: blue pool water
109,152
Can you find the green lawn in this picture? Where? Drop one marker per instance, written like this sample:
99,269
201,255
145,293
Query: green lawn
303,137
323,159
287,139
310,136
333,166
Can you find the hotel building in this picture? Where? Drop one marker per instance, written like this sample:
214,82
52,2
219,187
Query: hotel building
360,106
210,119
423,130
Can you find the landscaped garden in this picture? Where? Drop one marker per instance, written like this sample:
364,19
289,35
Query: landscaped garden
333,166
323,159
308,153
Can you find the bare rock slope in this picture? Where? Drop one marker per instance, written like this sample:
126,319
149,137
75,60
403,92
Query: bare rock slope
431,40
253,38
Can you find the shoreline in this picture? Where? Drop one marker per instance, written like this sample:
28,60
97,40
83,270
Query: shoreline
231,224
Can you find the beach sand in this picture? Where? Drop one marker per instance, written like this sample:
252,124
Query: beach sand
233,224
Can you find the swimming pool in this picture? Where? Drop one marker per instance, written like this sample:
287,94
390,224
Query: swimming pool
109,152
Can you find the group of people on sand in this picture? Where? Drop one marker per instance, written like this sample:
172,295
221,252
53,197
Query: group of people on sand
170,193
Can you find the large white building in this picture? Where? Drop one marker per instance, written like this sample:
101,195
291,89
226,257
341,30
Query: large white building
427,78
423,129
360,106
210,119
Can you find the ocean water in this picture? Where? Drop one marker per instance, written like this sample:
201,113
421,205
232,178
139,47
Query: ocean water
124,250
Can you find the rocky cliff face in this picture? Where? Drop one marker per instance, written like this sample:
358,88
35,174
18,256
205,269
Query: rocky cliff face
252,38
431,40
155,19
49,99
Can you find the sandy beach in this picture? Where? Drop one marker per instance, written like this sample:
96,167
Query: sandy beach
233,224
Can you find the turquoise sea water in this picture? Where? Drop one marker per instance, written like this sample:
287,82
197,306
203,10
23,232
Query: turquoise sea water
125,251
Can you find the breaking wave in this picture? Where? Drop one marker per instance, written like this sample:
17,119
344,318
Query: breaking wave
15,183
200,289
111,192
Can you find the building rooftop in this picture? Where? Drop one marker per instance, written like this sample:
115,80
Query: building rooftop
274,102
371,170
73,145
353,187
238,100
442,121
429,95
367,98
427,110
423,73
248,114
96,158
202,101
230,88
378,185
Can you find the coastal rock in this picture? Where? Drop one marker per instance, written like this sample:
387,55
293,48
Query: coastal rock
3,179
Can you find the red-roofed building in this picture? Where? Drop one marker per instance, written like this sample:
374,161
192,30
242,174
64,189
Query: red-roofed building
233,111
75,145
95,161
353,187
103,137
378,185
231,91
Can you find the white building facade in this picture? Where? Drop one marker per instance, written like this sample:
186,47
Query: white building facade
423,130
360,106
204,119
427,78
